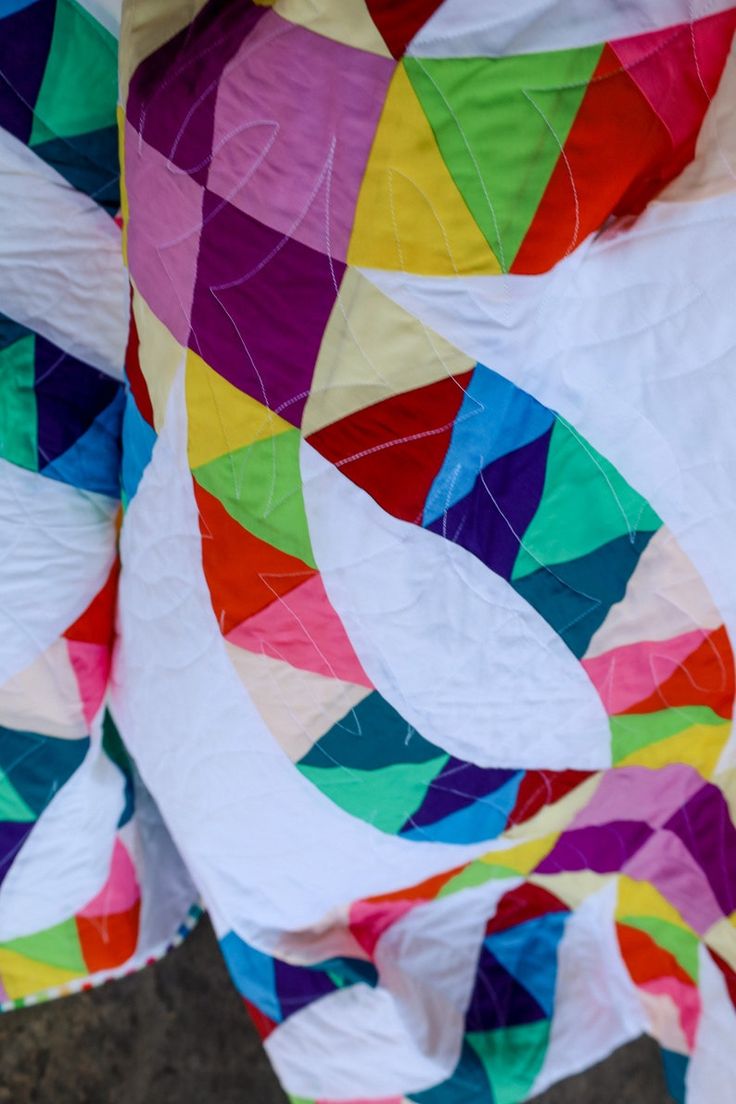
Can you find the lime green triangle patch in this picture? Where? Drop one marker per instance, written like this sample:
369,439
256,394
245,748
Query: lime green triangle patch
500,124
477,873
585,504
681,943
80,85
633,731
260,486
57,946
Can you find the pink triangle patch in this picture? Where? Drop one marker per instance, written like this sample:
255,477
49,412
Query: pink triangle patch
368,922
303,629
685,998
91,665
678,69
633,672
120,892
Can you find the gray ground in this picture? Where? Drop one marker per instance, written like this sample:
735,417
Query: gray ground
177,1034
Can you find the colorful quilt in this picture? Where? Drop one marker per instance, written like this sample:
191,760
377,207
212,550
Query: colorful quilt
368,503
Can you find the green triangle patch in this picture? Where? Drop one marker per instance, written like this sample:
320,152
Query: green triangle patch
385,797
633,731
477,873
80,84
260,486
57,946
501,124
681,943
18,441
12,805
512,1057
585,504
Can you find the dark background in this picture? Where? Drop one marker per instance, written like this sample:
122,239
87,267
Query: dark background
177,1033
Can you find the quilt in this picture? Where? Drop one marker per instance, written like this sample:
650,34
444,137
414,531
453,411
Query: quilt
368,503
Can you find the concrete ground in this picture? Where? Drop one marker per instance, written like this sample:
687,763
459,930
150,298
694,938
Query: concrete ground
177,1034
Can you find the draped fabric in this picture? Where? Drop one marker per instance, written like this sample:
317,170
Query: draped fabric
367,498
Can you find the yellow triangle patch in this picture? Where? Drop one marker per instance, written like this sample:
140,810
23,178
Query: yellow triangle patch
23,976
642,899
410,215
524,858
222,418
699,746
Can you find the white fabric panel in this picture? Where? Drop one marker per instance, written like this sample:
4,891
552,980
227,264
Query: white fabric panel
495,28
447,642
405,1035
61,267
238,810
57,545
639,319
66,860
167,891
596,1005
711,1073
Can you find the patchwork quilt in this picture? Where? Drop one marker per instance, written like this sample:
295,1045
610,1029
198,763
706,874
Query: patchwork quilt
367,514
